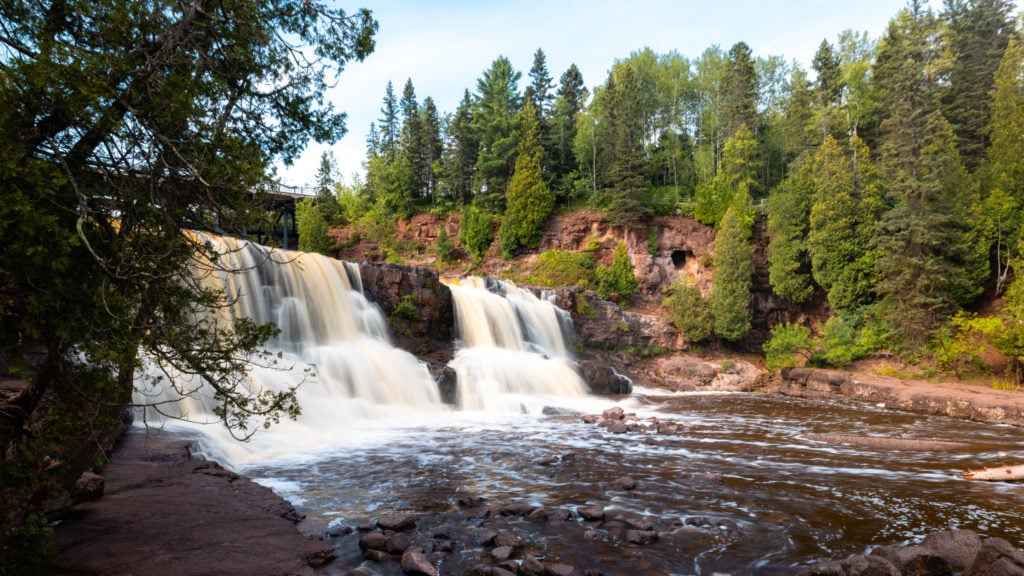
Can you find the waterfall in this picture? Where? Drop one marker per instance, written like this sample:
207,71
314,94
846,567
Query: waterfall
512,350
333,344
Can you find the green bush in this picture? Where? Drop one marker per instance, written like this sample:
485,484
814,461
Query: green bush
787,341
618,282
687,309
445,246
477,231
564,268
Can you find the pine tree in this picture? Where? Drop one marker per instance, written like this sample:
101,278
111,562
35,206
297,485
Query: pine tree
978,32
460,152
789,208
1005,175
497,107
846,205
740,90
431,150
732,276
924,265
326,184
530,200
569,105
625,199
828,88
389,126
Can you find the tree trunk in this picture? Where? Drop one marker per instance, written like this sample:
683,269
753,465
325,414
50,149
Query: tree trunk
999,474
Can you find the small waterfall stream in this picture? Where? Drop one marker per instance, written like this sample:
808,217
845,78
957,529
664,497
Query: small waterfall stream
513,353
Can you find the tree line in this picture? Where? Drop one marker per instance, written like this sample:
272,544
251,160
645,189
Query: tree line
891,169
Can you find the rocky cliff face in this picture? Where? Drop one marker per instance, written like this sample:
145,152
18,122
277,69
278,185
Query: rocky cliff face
418,308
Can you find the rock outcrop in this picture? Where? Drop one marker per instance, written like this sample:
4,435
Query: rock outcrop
418,307
948,399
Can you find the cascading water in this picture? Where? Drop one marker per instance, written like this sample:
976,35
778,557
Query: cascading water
513,353
332,343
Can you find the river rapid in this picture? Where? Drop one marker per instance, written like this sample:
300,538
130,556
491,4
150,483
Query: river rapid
737,483
743,486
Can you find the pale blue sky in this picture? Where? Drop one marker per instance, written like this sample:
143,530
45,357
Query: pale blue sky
445,46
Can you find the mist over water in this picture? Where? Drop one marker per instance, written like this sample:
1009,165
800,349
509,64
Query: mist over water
744,486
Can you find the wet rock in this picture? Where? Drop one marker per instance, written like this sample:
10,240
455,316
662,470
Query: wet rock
414,562
501,553
339,531
538,515
515,509
547,460
376,555
470,501
618,428
997,557
499,571
591,513
918,560
398,522
959,547
699,521
614,413
625,483
397,543
641,537
373,541
486,537
561,515
507,539
531,566
559,411
560,570
854,566
603,379
88,487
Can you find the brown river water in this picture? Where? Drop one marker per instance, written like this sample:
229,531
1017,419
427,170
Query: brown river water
742,488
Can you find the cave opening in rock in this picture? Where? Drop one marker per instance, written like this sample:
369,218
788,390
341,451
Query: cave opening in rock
680,258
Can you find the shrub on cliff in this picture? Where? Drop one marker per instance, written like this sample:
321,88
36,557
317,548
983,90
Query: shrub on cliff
477,231
618,282
687,309
564,268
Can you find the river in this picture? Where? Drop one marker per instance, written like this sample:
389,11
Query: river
741,483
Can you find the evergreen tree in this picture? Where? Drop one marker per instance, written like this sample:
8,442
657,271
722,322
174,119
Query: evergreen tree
626,197
740,90
460,152
977,34
789,208
530,201
412,141
828,88
924,265
847,203
431,150
1005,173
732,276
739,169
797,134
390,130
326,185
539,90
497,107
569,105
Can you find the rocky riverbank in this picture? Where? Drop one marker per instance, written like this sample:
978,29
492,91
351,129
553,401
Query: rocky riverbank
164,513
953,399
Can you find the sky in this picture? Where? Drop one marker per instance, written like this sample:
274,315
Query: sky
444,46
